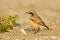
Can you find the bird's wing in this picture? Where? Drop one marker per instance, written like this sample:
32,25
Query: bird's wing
38,20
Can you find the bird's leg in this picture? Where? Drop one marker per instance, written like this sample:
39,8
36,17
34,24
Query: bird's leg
39,29
36,31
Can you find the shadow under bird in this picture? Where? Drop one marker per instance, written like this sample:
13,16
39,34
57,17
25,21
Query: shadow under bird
36,20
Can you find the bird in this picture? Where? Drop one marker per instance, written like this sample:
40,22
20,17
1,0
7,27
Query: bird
36,20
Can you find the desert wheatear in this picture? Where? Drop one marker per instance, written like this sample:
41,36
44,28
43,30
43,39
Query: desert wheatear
36,20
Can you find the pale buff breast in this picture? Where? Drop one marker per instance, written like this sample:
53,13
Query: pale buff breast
35,25
36,19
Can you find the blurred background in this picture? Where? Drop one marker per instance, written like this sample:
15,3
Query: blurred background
48,10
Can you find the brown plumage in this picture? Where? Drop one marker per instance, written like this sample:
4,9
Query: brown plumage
36,20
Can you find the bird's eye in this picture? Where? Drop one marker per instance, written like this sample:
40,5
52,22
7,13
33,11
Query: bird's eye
30,13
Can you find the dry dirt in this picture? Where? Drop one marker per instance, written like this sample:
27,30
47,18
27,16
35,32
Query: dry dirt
48,10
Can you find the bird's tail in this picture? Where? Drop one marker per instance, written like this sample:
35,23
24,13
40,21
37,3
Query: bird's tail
46,27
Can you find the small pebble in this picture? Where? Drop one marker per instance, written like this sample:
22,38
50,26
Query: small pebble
17,39
53,37
23,31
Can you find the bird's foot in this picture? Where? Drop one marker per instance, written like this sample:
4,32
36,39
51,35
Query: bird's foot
36,31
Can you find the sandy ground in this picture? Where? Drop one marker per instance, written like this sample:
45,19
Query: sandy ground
48,10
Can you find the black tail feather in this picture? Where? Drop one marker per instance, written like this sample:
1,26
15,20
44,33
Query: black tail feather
46,27
43,24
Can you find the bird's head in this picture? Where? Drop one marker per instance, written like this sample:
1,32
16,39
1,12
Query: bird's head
30,12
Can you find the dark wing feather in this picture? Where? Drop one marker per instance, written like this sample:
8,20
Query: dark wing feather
39,21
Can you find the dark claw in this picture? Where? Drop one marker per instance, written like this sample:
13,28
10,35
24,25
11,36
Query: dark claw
36,31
